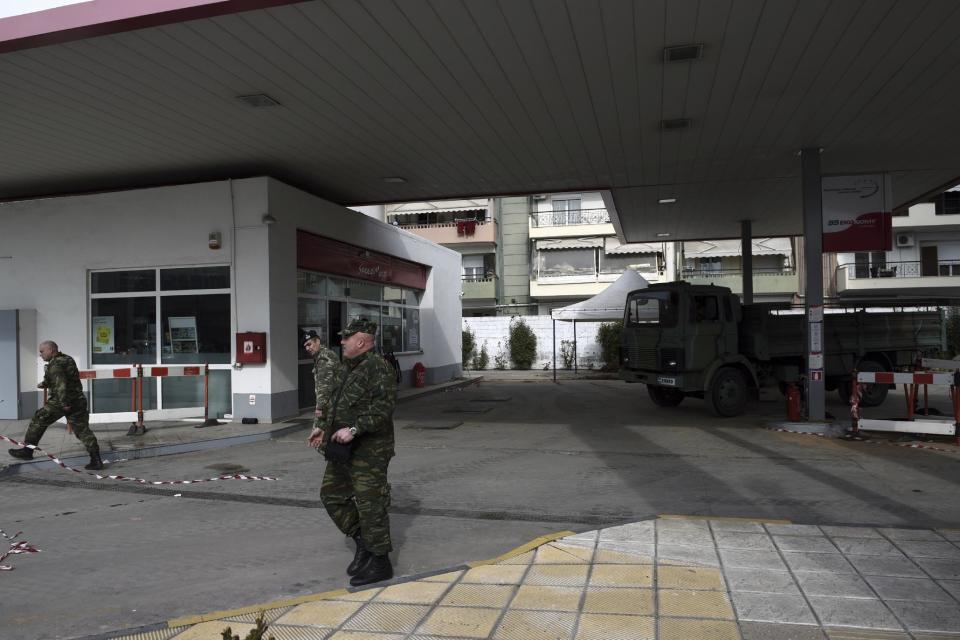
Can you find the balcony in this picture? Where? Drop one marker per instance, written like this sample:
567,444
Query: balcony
765,282
565,285
480,287
451,233
563,224
908,278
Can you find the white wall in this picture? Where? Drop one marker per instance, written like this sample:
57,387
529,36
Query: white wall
491,331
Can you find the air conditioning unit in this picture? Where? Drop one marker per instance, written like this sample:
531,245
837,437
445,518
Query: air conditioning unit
539,197
904,239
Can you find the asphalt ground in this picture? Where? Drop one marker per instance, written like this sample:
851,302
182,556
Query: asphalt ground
526,459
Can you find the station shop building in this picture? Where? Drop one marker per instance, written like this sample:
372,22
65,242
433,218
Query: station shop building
171,275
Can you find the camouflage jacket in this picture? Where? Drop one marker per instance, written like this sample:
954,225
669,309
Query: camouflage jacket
61,379
326,373
364,398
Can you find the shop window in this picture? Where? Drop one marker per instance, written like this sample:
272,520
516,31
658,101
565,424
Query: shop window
116,395
123,281
391,330
196,329
411,329
311,283
356,289
124,330
195,278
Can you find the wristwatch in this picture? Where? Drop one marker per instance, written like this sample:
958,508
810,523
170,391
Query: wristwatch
353,431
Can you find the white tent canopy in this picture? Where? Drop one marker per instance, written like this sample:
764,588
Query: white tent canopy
606,305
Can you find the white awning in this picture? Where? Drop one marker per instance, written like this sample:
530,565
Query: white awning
718,248
569,243
613,247
436,206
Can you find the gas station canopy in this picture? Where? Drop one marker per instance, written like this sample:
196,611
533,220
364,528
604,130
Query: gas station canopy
702,103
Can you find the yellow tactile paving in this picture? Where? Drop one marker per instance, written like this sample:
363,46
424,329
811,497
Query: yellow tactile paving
461,622
614,600
443,577
535,625
563,554
360,596
547,598
478,595
561,575
496,574
680,629
598,626
387,617
615,556
672,577
417,592
695,604
326,613
622,575
523,558
213,629
363,635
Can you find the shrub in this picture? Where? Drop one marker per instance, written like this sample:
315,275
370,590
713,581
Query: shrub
467,345
523,343
483,360
566,353
500,360
608,337
257,633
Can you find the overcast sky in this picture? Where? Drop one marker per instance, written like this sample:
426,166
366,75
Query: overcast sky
16,7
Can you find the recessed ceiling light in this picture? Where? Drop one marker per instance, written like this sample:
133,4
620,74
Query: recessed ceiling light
258,100
666,200
682,52
395,179
663,235
671,124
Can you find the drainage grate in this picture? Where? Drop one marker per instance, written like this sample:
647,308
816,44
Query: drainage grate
433,424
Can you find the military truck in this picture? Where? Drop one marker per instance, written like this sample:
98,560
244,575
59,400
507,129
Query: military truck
698,341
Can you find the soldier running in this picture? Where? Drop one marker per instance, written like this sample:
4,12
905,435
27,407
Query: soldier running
356,493
65,398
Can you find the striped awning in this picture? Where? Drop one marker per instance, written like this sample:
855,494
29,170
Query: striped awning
569,243
613,247
719,248
436,206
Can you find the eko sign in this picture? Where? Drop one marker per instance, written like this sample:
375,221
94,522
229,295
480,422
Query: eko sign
856,213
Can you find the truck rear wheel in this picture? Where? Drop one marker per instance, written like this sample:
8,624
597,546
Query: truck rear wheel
871,395
728,393
664,397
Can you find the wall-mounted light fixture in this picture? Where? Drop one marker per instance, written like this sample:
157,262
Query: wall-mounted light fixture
666,200
268,219
213,240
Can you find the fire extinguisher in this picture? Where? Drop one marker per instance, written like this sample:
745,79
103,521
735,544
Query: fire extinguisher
793,402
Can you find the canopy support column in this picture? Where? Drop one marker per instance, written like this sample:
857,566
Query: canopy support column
746,260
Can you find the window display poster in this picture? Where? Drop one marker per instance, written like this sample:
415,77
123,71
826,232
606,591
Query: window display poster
102,328
183,334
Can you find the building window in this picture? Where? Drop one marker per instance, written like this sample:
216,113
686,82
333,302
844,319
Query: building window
556,263
192,305
947,203
566,210
640,262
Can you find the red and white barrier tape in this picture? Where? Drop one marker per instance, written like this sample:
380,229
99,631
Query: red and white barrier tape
910,377
237,476
15,547
92,374
892,444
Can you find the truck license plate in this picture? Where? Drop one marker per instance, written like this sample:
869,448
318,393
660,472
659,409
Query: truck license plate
666,381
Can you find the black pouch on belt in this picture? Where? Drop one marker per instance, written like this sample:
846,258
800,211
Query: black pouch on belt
337,451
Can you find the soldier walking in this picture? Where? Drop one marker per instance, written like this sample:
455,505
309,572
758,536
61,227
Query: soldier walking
61,379
326,374
355,490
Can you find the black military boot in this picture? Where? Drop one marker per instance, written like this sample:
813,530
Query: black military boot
23,454
95,463
360,557
377,569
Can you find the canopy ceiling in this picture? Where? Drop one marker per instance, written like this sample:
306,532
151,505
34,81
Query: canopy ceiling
466,98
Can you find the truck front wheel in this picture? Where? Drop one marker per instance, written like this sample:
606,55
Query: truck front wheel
664,397
728,393
871,395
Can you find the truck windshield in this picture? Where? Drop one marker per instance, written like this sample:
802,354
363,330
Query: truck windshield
652,308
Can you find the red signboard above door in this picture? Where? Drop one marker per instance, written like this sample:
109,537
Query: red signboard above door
326,255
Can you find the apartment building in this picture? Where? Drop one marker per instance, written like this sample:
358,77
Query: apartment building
720,262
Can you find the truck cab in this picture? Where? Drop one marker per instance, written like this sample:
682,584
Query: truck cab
682,340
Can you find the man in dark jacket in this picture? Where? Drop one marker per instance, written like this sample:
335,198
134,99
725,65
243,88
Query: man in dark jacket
61,379
355,491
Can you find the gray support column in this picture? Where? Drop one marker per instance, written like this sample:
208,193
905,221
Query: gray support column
813,263
746,260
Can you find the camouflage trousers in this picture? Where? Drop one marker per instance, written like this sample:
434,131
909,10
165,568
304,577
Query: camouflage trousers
356,494
78,417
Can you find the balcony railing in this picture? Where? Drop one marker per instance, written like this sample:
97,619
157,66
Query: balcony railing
902,269
567,218
726,273
489,277
479,286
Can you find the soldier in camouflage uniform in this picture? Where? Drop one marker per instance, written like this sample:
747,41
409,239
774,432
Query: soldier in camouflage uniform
326,373
61,379
356,493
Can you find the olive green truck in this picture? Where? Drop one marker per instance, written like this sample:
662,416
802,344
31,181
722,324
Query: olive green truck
698,341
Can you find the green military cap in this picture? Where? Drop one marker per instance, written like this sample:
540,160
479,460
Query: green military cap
359,325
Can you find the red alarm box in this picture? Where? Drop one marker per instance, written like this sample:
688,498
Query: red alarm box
252,347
